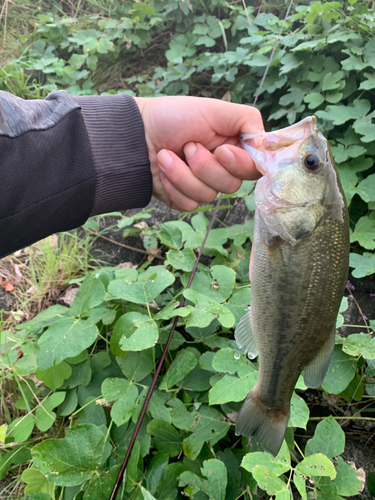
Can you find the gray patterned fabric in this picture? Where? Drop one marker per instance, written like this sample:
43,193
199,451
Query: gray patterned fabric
18,116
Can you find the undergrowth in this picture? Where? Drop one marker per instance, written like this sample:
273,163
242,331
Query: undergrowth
73,379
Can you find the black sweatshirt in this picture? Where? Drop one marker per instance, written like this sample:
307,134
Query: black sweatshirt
63,159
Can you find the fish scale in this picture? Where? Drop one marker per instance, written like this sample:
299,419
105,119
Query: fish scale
299,269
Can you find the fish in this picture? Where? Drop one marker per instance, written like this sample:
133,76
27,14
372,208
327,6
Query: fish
298,271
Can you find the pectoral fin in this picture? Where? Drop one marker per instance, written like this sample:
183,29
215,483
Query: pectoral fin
244,336
314,373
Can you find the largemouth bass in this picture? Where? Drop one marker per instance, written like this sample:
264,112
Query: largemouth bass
298,271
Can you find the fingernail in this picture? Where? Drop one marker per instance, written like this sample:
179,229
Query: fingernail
164,159
189,149
225,154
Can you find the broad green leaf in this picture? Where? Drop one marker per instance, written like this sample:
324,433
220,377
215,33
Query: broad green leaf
182,259
184,362
360,344
278,465
225,278
181,417
37,483
364,233
329,438
157,406
229,361
124,394
149,285
172,309
300,484
136,365
268,480
44,416
348,482
216,484
65,338
299,412
171,235
45,318
366,188
155,470
208,426
341,371
316,465
166,438
133,332
101,484
20,429
81,375
69,404
54,376
71,460
363,265
132,469
90,294
17,455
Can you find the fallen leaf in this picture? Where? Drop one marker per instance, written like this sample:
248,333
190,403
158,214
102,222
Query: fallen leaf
69,296
8,287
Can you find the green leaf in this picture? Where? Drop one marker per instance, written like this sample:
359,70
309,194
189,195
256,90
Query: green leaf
363,265
19,430
143,336
182,259
366,188
316,465
54,376
329,438
181,417
132,469
65,338
74,459
314,99
341,371
146,494
157,406
216,484
124,394
359,344
44,416
225,278
277,465
184,362
166,438
268,480
37,483
100,485
136,365
90,294
133,332
348,482
299,412
208,426
145,290
171,234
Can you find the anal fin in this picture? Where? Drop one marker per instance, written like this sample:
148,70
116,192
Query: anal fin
244,336
314,373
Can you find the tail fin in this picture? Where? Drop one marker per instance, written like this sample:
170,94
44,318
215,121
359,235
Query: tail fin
268,427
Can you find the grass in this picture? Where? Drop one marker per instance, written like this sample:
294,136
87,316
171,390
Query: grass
41,273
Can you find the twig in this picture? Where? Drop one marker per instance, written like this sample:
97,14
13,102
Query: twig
128,247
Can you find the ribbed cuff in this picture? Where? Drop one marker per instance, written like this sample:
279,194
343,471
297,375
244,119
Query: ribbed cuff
115,128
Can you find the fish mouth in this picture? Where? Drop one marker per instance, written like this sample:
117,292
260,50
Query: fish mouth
263,147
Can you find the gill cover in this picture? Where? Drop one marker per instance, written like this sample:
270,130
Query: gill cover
298,181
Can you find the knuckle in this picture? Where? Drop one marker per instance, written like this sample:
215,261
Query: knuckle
232,186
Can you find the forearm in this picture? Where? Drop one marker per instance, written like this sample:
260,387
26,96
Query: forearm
63,159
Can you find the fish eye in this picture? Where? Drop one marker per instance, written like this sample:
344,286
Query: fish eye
312,162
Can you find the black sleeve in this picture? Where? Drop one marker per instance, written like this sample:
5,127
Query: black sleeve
63,159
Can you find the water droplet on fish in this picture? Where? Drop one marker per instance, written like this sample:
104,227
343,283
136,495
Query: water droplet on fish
236,355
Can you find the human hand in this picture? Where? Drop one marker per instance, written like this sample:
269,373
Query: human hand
194,147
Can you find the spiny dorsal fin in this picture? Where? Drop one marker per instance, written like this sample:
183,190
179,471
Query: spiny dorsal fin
244,336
